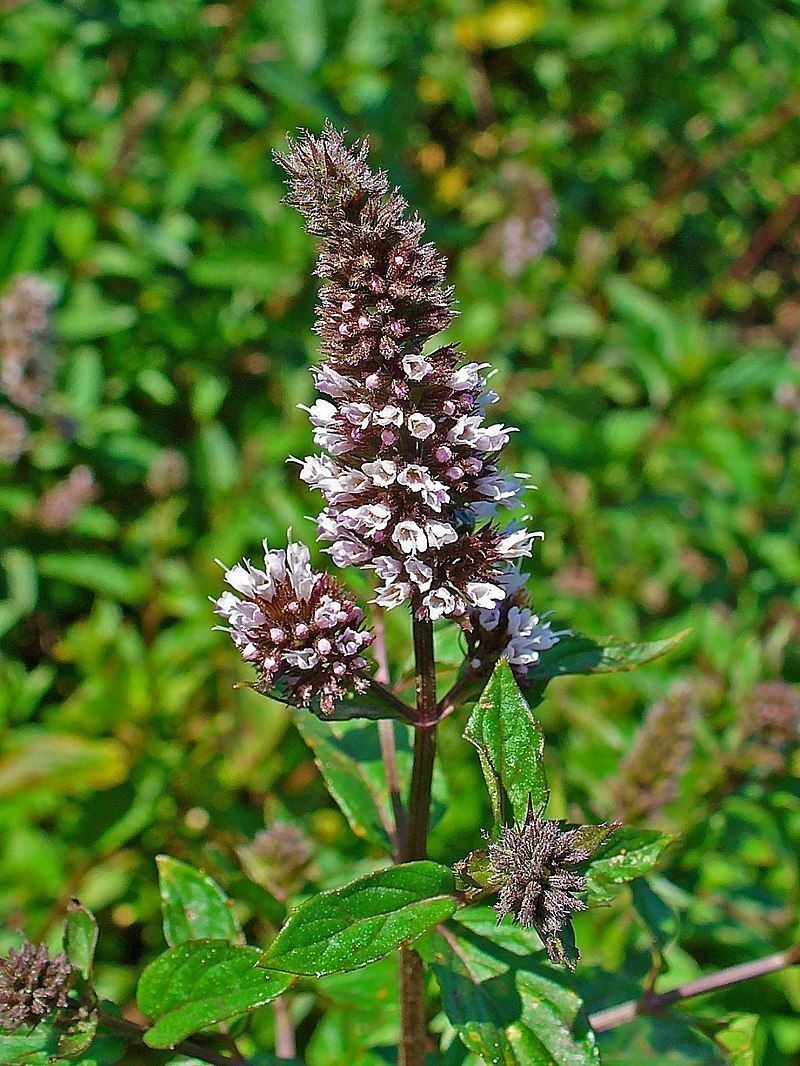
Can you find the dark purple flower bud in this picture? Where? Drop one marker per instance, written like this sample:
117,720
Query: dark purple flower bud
33,986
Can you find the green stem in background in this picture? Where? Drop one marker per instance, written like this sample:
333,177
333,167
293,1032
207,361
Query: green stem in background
656,1002
133,1032
414,1028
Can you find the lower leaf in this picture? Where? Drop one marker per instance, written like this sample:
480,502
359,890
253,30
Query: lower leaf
203,983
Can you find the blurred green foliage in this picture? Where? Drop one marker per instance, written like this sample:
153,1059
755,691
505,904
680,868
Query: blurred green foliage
649,357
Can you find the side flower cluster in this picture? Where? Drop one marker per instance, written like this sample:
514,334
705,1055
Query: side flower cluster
26,365
511,631
409,466
299,629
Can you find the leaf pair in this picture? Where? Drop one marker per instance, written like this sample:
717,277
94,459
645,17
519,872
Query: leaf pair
209,975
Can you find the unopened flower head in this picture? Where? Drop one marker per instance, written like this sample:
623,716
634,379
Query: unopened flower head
775,713
511,630
278,857
296,626
409,474
168,473
26,364
536,863
650,774
33,986
772,726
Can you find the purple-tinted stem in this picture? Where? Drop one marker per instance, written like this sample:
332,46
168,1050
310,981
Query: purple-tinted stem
656,1002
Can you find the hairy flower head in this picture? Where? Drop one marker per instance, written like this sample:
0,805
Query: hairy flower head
33,986
296,626
537,864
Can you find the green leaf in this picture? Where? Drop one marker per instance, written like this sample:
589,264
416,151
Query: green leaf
508,1008
78,1038
739,1039
202,983
626,855
348,757
659,919
349,927
92,571
22,585
474,874
372,705
36,760
193,905
576,654
37,1048
510,746
48,1042
80,937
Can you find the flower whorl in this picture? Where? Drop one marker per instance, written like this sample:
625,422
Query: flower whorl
296,626
410,477
511,631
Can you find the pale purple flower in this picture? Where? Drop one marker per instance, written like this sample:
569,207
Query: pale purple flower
14,436
26,362
508,628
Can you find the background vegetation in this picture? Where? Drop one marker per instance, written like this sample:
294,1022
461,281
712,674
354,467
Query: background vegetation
617,187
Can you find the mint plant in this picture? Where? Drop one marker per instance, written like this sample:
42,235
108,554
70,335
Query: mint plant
485,949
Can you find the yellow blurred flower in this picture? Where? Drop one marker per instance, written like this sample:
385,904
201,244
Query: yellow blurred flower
500,25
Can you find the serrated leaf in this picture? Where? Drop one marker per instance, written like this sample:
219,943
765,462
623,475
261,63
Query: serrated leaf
349,927
576,654
510,1010
202,983
356,782
626,855
193,905
80,937
510,746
